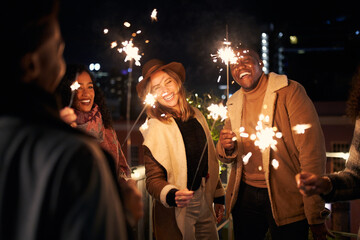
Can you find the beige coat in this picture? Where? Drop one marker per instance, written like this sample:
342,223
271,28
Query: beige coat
287,104
167,169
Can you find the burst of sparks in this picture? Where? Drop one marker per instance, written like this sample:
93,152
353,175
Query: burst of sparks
217,111
154,15
150,99
264,137
227,55
131,52
300,128
75,86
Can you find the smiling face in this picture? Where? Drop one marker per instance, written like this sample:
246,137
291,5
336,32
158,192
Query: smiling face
166,89
247,70
84,98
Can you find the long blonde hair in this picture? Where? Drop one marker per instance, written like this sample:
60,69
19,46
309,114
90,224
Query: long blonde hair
165,114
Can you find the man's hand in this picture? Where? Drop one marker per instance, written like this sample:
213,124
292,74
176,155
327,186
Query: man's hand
226,139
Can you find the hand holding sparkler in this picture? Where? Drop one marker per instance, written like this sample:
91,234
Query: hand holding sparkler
149,101
75,86
227,139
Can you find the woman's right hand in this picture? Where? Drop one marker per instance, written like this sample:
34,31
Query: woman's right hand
183,197
226,139
68,116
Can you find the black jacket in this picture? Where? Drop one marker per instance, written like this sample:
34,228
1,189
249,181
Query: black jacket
55,182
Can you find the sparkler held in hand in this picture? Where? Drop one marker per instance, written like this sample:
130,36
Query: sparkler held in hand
216,112
75,86
149,101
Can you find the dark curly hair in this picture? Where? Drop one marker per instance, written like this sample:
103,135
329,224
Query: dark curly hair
63,91
353,102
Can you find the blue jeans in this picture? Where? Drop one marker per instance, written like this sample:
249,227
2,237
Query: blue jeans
252,218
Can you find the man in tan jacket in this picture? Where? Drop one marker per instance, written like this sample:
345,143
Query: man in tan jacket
261,192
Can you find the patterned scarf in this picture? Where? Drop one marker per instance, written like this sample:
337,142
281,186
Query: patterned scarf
92,123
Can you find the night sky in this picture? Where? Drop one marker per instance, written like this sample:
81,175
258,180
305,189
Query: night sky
189,31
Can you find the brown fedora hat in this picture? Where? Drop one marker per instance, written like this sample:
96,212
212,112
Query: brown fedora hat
155,65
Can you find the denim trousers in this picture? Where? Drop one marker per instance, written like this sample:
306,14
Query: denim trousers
252,218
200,222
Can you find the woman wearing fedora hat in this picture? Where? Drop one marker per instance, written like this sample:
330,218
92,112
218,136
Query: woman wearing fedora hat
184,187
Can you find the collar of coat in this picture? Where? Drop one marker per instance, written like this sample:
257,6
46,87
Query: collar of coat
235,106
165,143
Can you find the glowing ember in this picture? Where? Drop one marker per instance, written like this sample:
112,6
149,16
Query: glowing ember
275,163
114,44
154,15
246,158
300,128
264,137
242,133
217,111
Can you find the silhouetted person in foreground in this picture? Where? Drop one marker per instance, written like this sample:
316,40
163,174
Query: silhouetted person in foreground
55,181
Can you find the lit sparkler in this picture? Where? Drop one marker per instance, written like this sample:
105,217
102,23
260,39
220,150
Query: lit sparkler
131,52
264,136
154,15
216,111
75,86
150,100
300,128
227,56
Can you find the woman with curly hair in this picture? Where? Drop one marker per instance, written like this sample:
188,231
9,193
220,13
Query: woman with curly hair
91,113
343,185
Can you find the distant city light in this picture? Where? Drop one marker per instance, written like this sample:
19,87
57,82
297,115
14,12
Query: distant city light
265,52
106,31
97,66
293,40
94,66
